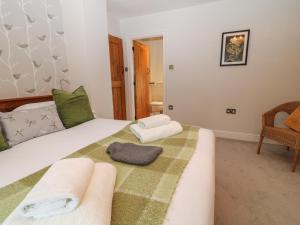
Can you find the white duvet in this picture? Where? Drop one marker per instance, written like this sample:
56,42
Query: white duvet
192,203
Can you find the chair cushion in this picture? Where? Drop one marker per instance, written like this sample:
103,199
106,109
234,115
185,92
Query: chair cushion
293,121
73,108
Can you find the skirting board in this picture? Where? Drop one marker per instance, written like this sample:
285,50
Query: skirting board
241,136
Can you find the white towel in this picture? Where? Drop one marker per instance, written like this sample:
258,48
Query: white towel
95,208
154,121
60,190
153,134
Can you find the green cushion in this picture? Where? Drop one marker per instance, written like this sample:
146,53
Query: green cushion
73,108
3,142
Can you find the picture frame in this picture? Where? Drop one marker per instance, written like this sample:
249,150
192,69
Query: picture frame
234,49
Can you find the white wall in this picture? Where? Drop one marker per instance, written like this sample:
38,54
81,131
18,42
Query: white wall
199,88
86,34
114,25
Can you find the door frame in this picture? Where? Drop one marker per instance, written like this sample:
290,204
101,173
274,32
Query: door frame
129,80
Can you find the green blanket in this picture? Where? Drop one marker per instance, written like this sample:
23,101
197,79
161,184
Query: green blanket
142,194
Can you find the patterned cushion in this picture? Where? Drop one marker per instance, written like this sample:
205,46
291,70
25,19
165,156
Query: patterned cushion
20,126
3,142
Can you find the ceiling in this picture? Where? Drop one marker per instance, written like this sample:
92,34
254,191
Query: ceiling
131,8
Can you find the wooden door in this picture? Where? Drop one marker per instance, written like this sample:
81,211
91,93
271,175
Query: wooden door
142,79
117,77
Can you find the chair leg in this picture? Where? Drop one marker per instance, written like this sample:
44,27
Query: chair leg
295,159
260,143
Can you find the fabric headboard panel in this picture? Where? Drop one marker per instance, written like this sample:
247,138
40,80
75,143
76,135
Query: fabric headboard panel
8,105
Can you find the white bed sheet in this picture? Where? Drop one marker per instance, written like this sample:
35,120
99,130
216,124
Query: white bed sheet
192,203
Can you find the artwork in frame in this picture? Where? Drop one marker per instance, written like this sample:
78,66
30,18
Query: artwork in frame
234,51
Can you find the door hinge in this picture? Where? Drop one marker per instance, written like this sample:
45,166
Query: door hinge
134,83
133,49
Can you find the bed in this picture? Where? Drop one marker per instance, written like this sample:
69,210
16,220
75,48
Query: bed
192,202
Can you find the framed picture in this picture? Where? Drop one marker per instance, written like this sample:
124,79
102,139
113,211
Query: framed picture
234,50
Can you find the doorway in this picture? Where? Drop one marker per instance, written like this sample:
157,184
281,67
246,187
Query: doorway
148,77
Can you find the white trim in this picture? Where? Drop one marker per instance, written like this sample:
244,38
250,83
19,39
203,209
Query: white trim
236,135
130,104
241,136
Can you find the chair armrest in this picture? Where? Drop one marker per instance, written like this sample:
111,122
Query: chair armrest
269,117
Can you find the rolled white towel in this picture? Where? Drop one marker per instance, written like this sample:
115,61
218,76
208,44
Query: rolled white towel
60,190
154,121
153,134
95,207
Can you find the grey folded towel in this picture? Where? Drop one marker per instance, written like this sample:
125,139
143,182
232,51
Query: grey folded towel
133,154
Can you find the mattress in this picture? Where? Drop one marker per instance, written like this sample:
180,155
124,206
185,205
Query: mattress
192,203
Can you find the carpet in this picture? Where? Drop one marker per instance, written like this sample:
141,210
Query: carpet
255,189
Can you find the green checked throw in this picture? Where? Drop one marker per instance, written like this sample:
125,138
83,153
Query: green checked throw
142,194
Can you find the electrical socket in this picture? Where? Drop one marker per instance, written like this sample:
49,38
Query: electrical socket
231,111
171,67
171,107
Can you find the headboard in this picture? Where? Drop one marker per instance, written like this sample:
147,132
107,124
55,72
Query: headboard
8,105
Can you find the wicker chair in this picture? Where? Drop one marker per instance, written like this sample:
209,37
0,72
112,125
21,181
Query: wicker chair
284,136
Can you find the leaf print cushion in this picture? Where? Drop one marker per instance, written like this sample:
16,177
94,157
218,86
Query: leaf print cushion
3,142
23,125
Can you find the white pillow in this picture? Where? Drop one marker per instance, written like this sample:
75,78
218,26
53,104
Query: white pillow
34,105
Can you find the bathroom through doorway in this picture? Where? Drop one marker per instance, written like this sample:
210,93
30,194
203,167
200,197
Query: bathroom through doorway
148,76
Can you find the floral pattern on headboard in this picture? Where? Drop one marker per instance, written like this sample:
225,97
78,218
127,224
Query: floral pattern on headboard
32,48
